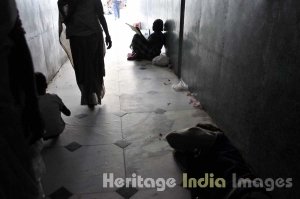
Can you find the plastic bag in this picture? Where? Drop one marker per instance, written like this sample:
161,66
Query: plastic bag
160,60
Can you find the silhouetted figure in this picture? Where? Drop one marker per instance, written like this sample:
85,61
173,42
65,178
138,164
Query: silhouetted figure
143,48
51,107
171,44
20,121
84,31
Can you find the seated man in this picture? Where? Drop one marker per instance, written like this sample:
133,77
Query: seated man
143,48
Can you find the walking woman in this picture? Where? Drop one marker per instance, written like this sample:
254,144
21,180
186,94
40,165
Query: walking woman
84,32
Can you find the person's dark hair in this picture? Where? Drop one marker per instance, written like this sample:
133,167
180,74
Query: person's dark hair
158,25
41,83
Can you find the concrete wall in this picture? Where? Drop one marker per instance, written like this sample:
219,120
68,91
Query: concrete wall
40,20
242,58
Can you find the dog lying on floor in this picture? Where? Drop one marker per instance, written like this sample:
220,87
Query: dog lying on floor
205,149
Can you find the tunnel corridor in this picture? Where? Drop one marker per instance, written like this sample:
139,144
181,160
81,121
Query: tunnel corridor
125,134
240,60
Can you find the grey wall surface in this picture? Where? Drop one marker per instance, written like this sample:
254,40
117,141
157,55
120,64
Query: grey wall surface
40,21
242,59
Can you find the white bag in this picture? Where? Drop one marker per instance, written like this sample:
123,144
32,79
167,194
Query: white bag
160,60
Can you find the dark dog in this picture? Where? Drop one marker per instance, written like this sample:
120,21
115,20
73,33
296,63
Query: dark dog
205,149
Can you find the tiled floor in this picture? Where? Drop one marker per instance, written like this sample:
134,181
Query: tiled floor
122,136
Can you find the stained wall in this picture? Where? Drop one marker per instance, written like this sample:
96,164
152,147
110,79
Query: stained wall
40,21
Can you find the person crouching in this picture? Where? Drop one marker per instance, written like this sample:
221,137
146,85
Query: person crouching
51,106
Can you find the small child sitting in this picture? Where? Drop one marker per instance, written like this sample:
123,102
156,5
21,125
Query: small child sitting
51,107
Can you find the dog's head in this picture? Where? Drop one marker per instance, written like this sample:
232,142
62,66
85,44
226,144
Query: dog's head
191,139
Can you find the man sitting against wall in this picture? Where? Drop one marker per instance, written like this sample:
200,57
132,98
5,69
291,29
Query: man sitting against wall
143,48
